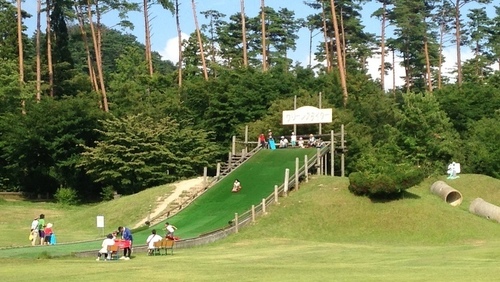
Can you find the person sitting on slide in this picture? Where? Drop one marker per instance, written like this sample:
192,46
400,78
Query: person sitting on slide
236,186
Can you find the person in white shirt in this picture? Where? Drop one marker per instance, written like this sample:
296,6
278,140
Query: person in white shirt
152,239
170,230
293,139
34,231
301,142
104,247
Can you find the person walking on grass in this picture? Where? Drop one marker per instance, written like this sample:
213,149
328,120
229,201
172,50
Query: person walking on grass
126,235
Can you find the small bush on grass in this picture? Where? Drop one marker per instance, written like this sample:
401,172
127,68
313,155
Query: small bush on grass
66,196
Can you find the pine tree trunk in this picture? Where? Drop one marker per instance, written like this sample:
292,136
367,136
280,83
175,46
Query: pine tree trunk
458,41
325,35
428,65
394,72
98,55
37,47
244,33
263,27
344,51
21,51
90,65
343,83
147,32
200,42
179,38
382,48
440,63
48,34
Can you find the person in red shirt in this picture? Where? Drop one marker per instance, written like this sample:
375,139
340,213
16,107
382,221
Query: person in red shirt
48,233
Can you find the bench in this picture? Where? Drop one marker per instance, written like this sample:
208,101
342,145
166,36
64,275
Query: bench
167,244
113,252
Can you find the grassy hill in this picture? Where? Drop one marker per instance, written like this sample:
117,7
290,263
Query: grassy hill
325,211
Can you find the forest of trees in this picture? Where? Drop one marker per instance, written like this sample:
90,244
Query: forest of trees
89,108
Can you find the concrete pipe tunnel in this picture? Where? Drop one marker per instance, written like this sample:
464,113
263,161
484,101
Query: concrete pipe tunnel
447,193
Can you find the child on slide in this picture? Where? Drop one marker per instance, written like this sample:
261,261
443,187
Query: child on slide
236,186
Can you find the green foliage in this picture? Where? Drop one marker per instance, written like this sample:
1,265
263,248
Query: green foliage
40,150
482,147
426,134
66,196
107,193
137,152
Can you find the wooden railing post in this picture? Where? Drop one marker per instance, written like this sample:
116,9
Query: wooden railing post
285,183
332,153
342,146
205,172
217,174
253,213
264,206
236,222
318,161
233,147
296,174
275,193
306,168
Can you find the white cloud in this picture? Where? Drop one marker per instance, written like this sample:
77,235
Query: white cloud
449,66
171,50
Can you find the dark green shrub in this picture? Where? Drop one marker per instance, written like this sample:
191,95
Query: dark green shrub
388,180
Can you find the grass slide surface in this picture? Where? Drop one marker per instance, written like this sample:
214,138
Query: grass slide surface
218,205
210,211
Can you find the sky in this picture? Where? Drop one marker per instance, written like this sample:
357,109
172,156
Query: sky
164,32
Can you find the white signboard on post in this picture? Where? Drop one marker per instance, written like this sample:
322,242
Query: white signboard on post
307,115
100,221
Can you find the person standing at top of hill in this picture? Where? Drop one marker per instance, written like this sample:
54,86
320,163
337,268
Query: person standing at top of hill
293,139
126,235
262,140
41,227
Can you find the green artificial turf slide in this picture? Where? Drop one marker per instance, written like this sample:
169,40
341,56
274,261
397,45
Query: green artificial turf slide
218,205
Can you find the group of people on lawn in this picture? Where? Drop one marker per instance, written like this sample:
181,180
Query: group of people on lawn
126,235
41,233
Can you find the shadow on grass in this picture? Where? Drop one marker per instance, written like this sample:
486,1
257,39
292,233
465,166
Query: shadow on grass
385,198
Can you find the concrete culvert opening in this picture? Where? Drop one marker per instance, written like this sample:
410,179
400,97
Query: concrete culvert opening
447,193
484,209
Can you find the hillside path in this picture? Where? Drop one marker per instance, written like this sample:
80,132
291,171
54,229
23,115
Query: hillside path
180,187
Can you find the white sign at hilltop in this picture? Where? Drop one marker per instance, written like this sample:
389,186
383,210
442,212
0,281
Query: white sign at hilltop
307,115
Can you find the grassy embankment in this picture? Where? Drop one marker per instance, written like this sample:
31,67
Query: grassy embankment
322,232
